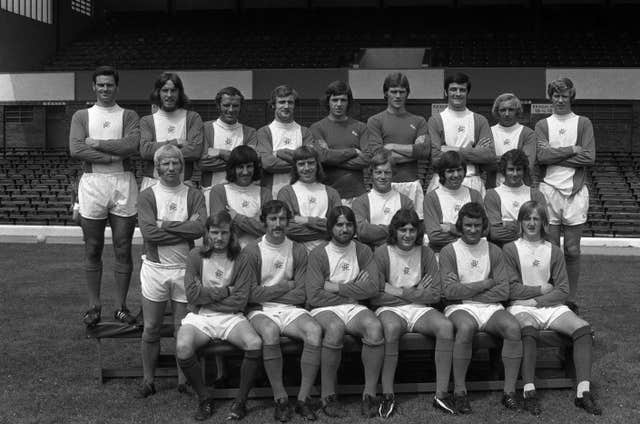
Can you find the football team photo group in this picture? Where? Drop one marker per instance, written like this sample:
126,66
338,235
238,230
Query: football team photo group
314,233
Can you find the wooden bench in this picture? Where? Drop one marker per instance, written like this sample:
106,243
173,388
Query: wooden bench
556,372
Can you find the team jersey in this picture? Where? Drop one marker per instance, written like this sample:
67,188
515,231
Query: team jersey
340,160
246,201
162,128
405,128
117,131
556,135
183,214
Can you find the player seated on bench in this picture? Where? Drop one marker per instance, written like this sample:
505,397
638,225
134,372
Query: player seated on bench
474,275
539,286
409,282
277,295
341,273
217,284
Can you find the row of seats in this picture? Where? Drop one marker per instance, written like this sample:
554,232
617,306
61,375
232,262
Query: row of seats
132,41
32,193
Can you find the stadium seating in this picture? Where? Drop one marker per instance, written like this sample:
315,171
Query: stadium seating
188,41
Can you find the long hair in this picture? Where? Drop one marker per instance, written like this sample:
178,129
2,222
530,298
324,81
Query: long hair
238,156
161,81
401,218
216,220
525,212
450,160
302,153
517,158
472,210
338,211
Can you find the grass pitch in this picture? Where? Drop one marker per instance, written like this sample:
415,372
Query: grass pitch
47,367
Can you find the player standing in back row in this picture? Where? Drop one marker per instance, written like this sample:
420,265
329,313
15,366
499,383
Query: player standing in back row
404,134
104,137
566,146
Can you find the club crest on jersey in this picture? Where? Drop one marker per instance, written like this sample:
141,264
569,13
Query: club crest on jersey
173,206
475,263
106,124
228,141
515,204
313,200
219,273
461,128
413,127
278,264
386,210
562,131
286,141
457,207
536,262
245,204
345,266
355,133
406,270
171,128
507,142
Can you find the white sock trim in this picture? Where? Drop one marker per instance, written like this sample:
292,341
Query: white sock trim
583,386
528,387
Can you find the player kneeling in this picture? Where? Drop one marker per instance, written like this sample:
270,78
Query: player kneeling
410,281
473,274
341,273
217,283
277,291
539,287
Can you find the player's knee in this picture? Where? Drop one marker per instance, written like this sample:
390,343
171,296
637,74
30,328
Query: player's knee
511,330
572,251
151,333
184,346
270,334
373,331
334,332
465,332
313,334
252,342
391,330
92,250
444,329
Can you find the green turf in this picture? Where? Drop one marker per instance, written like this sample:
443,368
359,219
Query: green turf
47,367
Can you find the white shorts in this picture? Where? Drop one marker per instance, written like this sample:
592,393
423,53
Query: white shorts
566,210
102,194
409,313
147,182
216,325
162,282
281,315
544,316
481,312
345,312
471,181
413,190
